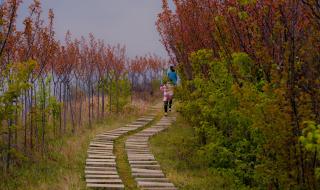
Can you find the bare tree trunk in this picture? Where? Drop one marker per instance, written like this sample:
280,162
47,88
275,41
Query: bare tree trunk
117,94
16,125
89,105
76,100
43,114
110,96
36,115
8,160
132,87
92,102
103,102
60,100
31,119
292,89
80,110
25,120
71,111
98,105
64,108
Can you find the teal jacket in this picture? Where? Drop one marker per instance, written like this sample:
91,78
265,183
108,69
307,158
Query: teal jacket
172,76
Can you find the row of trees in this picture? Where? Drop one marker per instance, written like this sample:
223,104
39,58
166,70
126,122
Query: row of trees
49,88
250,86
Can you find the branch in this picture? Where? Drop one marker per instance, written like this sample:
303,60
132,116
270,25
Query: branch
12,19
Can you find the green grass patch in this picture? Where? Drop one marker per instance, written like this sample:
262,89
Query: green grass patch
173,149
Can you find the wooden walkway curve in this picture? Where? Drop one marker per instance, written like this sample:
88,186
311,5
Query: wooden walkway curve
100,170
145,169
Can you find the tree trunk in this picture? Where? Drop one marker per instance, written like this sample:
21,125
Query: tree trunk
64,108
102,106
31,119
89,107
80,110
117,94
71,112
110,96
76,100
92,102
8,160
98,104
60,100
25,120
43,114
36,134
16,125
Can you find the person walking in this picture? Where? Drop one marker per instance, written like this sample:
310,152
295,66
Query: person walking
173,78
167,89
172,75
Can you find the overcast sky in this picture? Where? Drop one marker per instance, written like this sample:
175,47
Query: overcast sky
129,22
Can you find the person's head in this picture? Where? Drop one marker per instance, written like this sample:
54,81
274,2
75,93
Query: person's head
172,68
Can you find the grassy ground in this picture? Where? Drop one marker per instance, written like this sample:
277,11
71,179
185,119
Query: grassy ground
64,168
168,150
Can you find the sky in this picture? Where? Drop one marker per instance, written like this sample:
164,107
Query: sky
128,22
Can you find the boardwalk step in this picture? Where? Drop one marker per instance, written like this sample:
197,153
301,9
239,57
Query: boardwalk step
153,179
100,169
109,181
145,169
100,172
154,184
97,176
109,186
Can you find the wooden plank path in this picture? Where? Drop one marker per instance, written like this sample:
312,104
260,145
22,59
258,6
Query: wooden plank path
100,169
145,169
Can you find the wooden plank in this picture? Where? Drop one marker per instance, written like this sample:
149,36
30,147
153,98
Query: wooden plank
98,156
145,166
102,176
101,172
139,170
101,163
140,159
100,149
101,145
143,162
137,156
157,179
117,186
100,152
154,184
100,160
109,181
101,168
147,175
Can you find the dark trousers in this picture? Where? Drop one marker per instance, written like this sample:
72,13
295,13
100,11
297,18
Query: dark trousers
166,105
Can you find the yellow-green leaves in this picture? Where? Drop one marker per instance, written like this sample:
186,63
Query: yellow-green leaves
311,136
243,15
15,83
247,2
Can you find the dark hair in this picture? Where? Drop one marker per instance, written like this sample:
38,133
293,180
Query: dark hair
172,68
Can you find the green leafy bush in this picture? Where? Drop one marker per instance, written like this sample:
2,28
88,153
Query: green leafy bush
239,121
